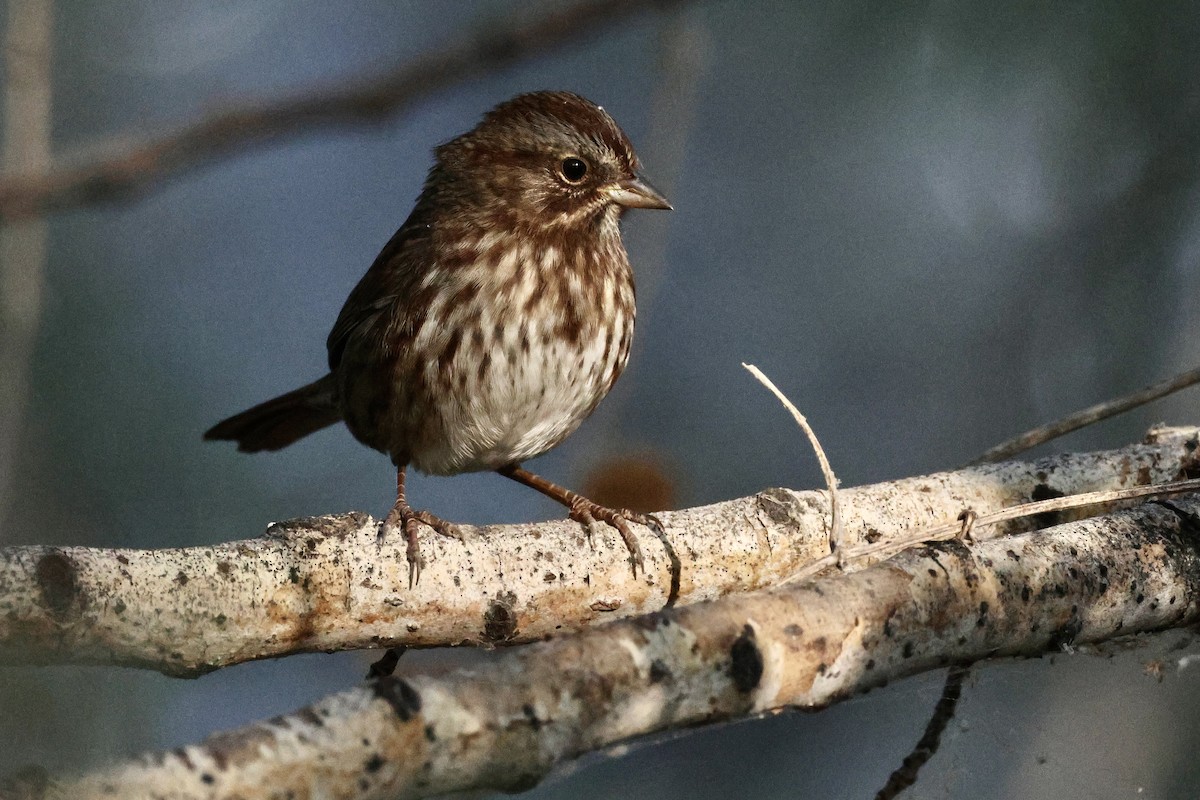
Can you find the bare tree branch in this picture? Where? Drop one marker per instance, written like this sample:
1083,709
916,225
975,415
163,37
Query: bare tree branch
1089,416
506,723
28,93
325,584
138,167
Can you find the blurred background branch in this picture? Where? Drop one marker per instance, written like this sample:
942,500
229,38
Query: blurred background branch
136,167
23,244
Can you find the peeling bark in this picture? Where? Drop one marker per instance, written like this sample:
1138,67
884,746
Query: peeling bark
324,584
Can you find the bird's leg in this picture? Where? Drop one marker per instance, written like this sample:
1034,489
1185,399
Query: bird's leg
586,512
406,518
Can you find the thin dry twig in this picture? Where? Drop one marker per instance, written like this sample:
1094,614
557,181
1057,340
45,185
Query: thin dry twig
953,530
905,775
1087,416
835,521
140,166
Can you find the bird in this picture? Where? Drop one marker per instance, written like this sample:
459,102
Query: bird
493,321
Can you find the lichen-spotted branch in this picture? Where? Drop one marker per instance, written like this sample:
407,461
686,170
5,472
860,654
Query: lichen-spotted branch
326,584
504,724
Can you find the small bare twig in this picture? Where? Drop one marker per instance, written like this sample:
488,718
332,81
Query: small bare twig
142,165
905,775
954,530
1087,416
835,521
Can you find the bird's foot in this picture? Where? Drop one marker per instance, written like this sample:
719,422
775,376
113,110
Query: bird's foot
588,513
404,517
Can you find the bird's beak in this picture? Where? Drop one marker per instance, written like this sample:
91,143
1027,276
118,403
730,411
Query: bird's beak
637,193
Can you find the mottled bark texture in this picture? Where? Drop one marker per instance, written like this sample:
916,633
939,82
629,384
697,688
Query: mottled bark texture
504,724
325,584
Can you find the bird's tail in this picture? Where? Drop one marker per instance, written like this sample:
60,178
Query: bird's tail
277,423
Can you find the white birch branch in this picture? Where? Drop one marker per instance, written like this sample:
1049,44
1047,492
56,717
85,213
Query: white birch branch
324,584
506,723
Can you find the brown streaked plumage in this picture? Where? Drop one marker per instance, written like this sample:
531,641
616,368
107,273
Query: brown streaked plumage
494,320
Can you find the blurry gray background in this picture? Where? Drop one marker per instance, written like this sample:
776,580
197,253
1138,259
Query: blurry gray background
932,224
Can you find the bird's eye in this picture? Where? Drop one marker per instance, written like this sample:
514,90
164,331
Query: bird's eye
573,169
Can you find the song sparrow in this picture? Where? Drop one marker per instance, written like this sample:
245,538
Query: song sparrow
497,317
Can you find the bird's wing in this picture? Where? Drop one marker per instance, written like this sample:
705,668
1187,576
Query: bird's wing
391,279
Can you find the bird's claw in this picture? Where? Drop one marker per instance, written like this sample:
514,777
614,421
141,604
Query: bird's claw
588,513
409,520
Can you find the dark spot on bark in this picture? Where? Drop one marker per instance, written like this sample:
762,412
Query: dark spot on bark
908,649
1025,593
658,671
181,579
119,607
1012,554
400,695
873,535
933,572
208,779
1140,598
1065,634
793,630
983,614
871,663
224,567
778,504
220,619
500,621
532,716
313,718
59,584
374,763
1043,491
294,574
122,560
430,735
746,661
